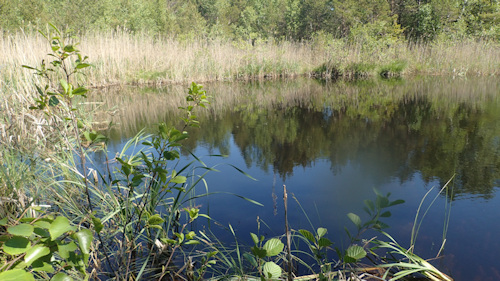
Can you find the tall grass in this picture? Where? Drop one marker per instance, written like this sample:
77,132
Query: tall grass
120,57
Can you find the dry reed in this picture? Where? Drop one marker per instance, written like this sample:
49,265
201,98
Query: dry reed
120,57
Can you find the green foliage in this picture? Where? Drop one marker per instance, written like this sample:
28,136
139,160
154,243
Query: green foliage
45,244
268,270
258,19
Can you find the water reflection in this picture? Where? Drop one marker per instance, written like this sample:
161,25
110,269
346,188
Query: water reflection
437,127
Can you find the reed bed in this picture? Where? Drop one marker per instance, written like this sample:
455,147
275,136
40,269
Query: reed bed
120,57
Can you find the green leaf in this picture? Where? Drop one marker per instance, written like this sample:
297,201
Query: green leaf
190,235
4,221
273,247
59,226
84,237
80,91
155,220
16,245
16,275
324,242
61,276
53,101
259,252
98,226
65,249
64,85
82,65
69,48
307,234
23,229
356,252
35,253
321,232
355,219
369,204
382,202
386,214
254,238
396,202
192,242
179,179
271,270
250,259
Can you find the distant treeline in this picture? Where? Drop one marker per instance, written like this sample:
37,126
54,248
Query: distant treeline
416,20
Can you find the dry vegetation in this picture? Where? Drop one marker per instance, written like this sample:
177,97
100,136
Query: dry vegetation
120,57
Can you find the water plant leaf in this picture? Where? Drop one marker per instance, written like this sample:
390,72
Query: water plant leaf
59,226
356,252
321,232
61,276
308,235
84,237
35,253
23,229
355,219
16,245
271,270
273,247
16,275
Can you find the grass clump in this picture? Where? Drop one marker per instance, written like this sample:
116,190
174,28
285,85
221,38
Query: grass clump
393,69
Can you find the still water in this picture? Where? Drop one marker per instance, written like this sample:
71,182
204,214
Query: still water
331,144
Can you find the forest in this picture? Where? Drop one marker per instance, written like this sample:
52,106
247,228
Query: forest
293,20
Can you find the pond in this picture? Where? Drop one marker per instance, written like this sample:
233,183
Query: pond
331,144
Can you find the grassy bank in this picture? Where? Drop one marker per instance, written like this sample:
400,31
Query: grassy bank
123,58
120,57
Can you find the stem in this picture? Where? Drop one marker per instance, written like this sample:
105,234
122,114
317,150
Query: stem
288,236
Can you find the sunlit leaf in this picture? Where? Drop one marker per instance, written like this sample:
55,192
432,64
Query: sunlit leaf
155,220
356,252
84,237
273,247
254,238
271,270
61,276
59,226
35,253
16,245
23,229
321,231
16,275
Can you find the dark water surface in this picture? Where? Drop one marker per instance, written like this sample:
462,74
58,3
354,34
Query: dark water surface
332,143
